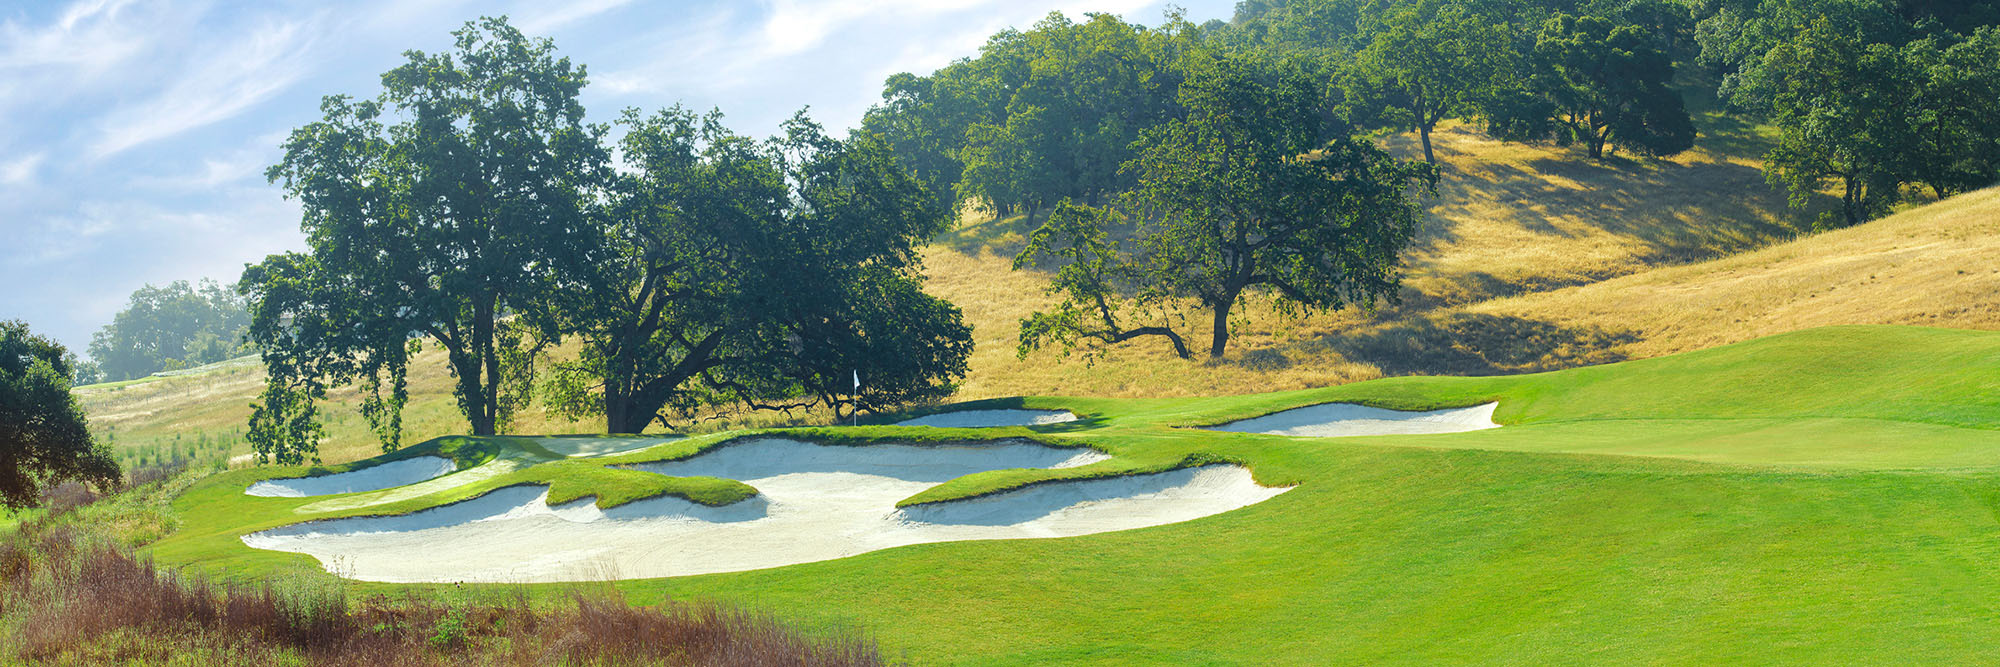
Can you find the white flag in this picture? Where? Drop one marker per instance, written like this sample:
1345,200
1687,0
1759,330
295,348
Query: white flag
857,381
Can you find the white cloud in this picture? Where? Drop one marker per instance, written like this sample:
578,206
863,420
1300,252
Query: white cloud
220,85
541,17
692,53
242,167
260,220
20,171
89,35
799,25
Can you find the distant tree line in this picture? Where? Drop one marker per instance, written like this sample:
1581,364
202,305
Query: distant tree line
1871,103
1103,124
1878,94
470,207
168,328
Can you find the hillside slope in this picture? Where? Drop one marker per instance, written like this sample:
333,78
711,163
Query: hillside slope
1933,265
1532,260
1509,219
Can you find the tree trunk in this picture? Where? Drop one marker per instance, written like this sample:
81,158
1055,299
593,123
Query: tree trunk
1220,335
484,371
618,409
621,415
471,393
1424,131
1850,202
637,407
466,366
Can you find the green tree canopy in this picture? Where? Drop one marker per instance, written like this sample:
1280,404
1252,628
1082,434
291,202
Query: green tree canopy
763,274
1599,83
1875,117
172,327
43,437
1435,60
1246,192
1842,108
1040,115
445,208
1957,114
1099,284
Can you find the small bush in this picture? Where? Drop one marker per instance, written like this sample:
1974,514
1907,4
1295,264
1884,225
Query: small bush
155,472
68,497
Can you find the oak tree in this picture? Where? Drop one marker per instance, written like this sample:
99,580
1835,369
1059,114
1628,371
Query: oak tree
44,439
445,208
1248,191
729,271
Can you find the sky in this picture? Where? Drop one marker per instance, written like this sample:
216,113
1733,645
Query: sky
134,134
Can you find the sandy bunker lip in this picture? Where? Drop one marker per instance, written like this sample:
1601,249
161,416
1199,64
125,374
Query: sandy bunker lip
1347,419
816,502
991,418
372,478
588,446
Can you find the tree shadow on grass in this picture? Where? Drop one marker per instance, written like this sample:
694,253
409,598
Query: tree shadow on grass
1478,344
1003,236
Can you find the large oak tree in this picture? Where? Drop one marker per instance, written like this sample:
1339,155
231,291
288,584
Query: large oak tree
1608,84
1251,190
445,208
767,274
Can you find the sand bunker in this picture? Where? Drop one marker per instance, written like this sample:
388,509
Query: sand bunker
816,502
372,478
991,418
1328,420
587,446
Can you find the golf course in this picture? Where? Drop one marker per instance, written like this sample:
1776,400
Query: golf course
836,333
1824,495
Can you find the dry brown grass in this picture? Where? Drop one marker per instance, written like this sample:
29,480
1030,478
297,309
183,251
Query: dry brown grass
187,416
1509,219
1933,265
1513,218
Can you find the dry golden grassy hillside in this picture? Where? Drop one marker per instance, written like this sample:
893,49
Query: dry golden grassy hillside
1933,265
204,414
1509,219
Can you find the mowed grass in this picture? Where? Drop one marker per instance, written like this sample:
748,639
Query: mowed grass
1828,495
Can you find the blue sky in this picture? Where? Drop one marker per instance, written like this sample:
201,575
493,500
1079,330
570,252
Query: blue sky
134,133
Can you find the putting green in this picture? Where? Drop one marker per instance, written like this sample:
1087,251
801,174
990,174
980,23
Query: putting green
1827,495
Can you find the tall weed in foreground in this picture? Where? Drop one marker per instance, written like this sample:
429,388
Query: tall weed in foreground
71,596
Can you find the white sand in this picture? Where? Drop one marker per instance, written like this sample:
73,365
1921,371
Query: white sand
816,502
991,418
588,446
1328,420
372,478
513,460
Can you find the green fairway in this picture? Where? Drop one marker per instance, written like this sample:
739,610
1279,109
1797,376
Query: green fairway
1823,496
